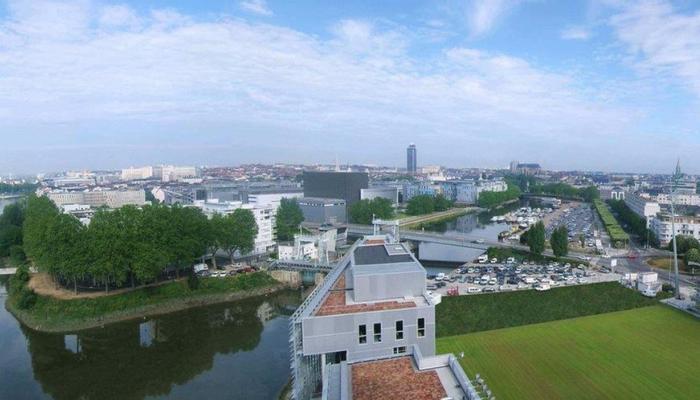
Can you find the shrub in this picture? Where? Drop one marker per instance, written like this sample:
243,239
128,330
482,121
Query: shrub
26,298
193,282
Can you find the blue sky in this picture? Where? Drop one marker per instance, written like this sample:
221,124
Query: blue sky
607,85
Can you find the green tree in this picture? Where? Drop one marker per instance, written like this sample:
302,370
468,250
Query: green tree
192,236
288,219
67,248
12,214
442,203
420,205
10,235
361,212
560,241
241,230
217,231
589,193
108,258
536,238
492,199
40,214
152,252
693,255
684,243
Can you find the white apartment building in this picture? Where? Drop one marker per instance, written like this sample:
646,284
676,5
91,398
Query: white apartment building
645,208
112,198
685,225
131,173
170,173
681,199
272,199
264,218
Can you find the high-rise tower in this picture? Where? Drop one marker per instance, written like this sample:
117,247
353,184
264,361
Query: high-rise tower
411,159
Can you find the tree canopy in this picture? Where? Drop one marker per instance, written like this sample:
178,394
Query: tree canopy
128,244
288,219
560,241
362,211
426,204
491,199
536,238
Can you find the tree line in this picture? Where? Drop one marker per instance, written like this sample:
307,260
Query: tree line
633,222
17,188
426,204
129,244
363,211
564,190
491,199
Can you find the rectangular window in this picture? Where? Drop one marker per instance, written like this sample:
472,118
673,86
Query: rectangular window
399,350
377,333
362,333
421,327
399,330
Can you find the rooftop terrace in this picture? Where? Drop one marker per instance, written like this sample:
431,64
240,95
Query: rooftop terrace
395,378
336,303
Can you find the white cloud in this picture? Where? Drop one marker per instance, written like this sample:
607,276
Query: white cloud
259,7
661,40
483,15
267,83
575,33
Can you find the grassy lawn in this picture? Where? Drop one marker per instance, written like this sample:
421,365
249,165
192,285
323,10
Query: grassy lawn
49,312
646,353
464,314
666,263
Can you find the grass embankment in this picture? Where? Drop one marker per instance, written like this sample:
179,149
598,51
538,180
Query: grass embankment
647,353
53,315
457,315
666,264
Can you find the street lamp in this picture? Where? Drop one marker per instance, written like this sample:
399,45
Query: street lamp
674,178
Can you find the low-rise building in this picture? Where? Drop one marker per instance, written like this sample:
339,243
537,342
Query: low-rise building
368,331
386,192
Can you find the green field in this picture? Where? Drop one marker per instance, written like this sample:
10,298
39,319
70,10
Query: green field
645,353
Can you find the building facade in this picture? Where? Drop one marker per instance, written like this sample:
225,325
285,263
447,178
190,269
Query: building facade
371,312
685,225
643,207
323,211
335,185
112,198
385,192
264,218
411,159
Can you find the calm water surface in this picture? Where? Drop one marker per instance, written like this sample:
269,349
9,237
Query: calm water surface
227,351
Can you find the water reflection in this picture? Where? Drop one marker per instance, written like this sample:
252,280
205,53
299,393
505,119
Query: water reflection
235,350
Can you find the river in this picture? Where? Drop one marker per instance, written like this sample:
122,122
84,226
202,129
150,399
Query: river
472,226
226,351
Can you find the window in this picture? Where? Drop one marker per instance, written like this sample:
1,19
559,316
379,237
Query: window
377,333
399,350
362,333
421,327
399,330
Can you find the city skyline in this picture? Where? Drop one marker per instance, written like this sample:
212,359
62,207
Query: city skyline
103,85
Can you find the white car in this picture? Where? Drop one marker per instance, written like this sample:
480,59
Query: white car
494,260
542,287
473,289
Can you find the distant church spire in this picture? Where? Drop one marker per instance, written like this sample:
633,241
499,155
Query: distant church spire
678,167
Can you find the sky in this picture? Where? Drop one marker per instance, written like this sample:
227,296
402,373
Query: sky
605,85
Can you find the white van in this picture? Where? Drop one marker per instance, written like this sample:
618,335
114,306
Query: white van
485,280
440,277
483,259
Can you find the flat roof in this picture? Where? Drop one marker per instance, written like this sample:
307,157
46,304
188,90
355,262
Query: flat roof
378,254
335,302
395,378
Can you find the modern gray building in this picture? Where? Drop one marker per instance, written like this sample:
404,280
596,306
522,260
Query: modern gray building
335,185
372,322
323,211
411,159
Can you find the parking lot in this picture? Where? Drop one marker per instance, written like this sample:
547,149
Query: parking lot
579,219
507,275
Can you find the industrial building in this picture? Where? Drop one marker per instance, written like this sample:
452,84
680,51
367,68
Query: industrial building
323,211
368,331
335,185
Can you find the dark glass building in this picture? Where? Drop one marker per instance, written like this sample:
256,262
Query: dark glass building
335,185
411,159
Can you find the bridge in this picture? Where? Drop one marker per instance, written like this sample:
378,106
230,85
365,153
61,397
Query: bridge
302,266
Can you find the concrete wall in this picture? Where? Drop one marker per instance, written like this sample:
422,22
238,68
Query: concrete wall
290,278
333,333
388,286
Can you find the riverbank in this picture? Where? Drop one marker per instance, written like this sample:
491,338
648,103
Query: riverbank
53,315
418,220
